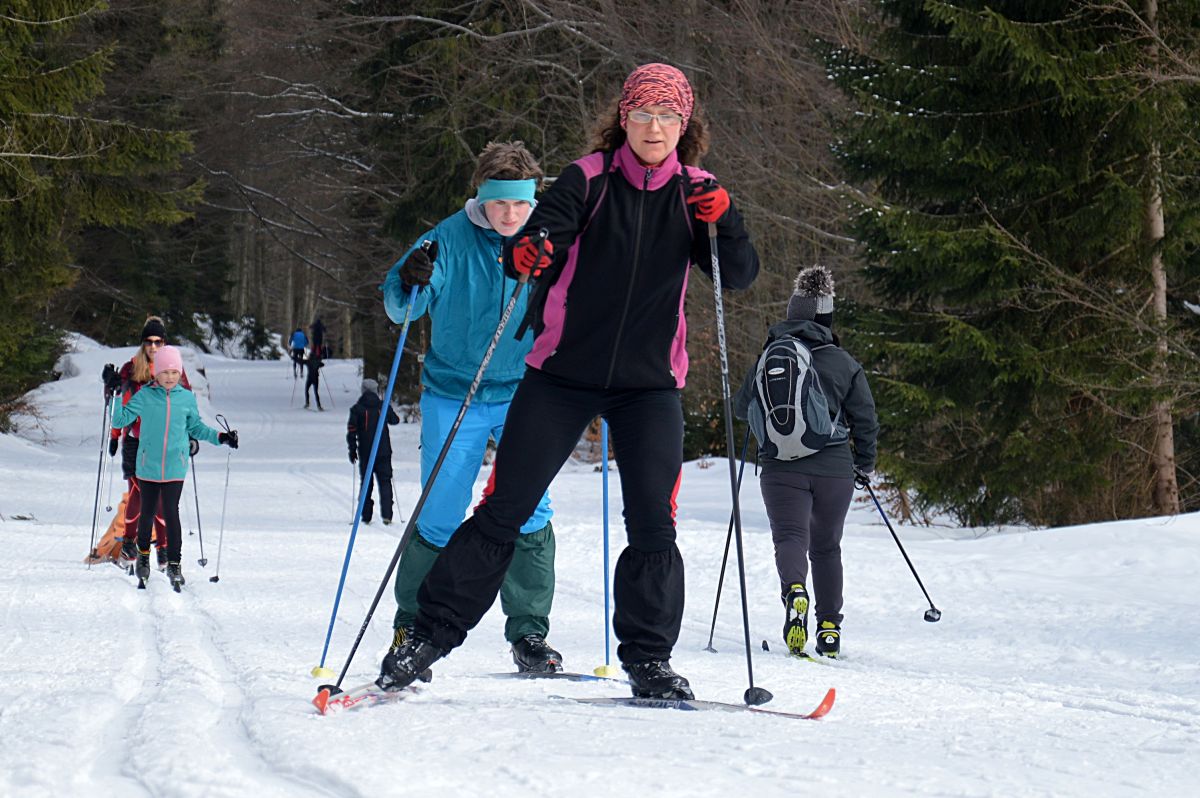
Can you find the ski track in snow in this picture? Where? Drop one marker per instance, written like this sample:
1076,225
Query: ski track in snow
1066,662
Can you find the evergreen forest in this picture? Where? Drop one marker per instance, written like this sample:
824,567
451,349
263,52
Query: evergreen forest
1007,193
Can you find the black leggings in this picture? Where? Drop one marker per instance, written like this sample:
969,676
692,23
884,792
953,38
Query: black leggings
169,493
544,423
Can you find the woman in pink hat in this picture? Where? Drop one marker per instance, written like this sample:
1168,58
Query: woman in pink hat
625,223
168,417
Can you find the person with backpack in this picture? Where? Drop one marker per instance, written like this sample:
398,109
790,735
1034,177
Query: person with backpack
169,420
314,364
360,434
134,375
297,344
624,225
463,288
811,410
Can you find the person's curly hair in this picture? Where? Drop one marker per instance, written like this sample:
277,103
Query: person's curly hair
506,160
607,134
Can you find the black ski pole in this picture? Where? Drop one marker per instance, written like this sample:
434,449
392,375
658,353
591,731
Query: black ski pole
99,477
108,499
725,557
933,614
320,670
754,695
329,393
196,495
216,577
396,501
410,528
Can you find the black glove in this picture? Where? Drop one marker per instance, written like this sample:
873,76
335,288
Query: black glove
193,447
862,479
418,267
113,443
353,455
112,380
228,438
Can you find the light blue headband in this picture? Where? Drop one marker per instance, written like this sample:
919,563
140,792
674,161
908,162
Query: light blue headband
519,190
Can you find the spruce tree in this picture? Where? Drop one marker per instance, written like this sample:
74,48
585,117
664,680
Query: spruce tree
61,170
1023,346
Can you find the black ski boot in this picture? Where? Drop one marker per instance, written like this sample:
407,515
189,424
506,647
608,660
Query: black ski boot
162,557
655,679
175,576
143,568
829,639
795,621
128,549
533,655
410,662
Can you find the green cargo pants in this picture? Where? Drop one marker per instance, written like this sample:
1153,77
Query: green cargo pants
525,597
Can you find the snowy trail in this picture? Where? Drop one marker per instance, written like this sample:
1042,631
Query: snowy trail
1067,661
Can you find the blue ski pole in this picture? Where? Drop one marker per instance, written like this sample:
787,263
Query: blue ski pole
606,669
320,671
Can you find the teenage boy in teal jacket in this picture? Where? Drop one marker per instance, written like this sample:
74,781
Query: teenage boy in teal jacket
460,283
169,417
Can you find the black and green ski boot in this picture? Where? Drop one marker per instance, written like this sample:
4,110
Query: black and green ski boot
829,639
795,624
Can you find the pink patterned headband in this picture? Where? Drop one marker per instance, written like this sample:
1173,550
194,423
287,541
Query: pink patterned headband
657,84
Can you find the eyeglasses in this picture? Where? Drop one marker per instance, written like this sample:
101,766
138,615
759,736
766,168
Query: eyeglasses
155,342
666,120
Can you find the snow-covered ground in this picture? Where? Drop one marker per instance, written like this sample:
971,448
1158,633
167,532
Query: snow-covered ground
1067,661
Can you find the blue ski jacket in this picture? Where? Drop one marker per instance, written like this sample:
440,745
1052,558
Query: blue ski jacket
168,419
464,299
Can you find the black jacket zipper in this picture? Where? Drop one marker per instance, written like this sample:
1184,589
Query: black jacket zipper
637,252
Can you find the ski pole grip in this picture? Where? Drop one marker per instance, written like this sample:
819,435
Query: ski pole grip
542,235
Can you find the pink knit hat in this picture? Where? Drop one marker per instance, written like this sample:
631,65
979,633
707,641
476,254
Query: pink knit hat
168,358
657,84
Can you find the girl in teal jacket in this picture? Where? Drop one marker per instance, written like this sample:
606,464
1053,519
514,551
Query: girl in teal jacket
169,418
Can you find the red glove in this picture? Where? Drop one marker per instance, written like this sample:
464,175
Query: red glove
526,259
710,201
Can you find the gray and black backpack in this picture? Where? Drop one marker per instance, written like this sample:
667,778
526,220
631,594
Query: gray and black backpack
789,413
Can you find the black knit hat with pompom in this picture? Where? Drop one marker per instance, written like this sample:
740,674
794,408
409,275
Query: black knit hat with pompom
812,298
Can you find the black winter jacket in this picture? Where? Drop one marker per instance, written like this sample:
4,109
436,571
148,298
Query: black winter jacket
360,429
845,386
613,315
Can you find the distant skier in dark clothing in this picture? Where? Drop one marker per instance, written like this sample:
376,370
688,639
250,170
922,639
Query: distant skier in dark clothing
360,433
318,335
297,344
314,364
807,497
625,224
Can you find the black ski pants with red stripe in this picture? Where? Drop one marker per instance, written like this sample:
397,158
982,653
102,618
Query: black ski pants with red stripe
547,417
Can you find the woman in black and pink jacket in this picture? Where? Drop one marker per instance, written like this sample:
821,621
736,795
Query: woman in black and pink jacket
625,223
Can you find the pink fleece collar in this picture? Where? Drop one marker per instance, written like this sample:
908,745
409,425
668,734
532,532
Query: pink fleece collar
635,173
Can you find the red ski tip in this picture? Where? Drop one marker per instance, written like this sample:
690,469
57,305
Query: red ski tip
322,699
826,704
